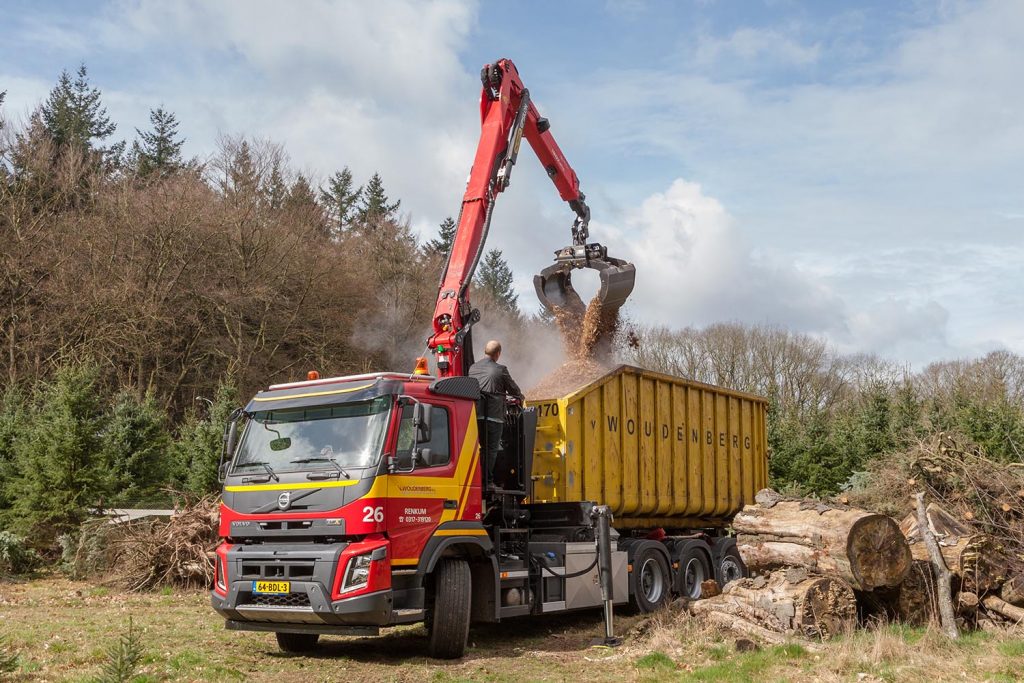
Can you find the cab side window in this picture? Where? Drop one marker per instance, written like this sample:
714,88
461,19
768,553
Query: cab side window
440,438
440,443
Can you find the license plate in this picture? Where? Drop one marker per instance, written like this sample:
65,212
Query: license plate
272,587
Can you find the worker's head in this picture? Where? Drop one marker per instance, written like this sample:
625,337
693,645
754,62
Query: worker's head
492,349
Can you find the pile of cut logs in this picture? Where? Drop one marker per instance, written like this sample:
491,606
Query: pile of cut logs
818,569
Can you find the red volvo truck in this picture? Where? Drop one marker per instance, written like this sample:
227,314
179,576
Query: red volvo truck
361,502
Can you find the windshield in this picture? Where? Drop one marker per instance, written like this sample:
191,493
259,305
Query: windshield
336,437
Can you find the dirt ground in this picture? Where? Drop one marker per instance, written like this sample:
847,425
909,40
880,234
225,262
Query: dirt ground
57,629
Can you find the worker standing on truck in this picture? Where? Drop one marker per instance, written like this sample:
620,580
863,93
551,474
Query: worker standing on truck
495,384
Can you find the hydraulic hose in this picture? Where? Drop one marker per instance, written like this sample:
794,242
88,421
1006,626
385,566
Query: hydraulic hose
544,565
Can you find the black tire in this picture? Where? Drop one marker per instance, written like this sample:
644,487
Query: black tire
652,580
730,566
694,569
448,622
297,643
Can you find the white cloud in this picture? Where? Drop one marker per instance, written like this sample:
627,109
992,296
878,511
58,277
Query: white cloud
376,86
755,44
694,267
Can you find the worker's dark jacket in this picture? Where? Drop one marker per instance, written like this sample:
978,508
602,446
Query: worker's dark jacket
495,384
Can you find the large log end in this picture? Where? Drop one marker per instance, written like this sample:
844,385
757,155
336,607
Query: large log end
878,552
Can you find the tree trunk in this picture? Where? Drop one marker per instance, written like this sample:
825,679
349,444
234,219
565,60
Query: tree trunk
971,556
1003,609
866,550
787,602
942,573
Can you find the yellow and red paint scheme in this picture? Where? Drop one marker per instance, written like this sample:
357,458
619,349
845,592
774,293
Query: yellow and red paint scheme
413,505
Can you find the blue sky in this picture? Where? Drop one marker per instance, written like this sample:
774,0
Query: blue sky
850,170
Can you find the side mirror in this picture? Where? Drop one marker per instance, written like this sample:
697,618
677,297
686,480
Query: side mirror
405,462
421,422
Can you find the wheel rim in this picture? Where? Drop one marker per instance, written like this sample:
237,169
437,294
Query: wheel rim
730,570
693,577
652,581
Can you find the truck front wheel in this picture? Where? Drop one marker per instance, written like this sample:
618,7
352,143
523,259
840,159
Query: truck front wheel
296,643
448,621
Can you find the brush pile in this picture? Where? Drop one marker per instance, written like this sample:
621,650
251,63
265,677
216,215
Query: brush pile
149,553
175,552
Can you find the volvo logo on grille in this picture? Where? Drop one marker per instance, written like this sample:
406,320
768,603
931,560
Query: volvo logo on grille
284,500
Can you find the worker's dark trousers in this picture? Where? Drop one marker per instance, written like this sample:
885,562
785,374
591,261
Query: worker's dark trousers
493,445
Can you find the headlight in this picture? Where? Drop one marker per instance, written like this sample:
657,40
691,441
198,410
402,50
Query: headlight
357,574
221,574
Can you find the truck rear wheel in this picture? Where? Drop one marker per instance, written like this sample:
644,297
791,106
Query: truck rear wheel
448,621
296,643
693,571
730,566
652,583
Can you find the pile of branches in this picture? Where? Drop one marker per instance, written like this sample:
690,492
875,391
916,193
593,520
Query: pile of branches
958,476
175,552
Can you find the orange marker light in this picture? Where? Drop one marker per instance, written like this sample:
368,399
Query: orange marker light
421,367
312,374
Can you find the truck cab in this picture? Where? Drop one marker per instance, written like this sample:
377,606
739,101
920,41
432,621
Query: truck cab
341,496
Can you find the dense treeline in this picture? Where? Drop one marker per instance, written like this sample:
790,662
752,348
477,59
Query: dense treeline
143,295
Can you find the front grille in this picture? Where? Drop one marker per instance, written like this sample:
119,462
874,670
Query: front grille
291,570
287,600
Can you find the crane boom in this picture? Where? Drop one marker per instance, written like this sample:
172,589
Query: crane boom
507,115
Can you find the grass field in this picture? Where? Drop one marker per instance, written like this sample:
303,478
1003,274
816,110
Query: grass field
59,630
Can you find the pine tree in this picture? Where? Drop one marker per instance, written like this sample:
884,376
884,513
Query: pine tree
442,244
375,205
123,657
300,194
75,118
240,177
200,443
341,198
495,278
275,189
134,450
158,150
57,475
13,423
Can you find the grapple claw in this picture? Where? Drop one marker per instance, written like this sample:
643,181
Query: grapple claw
554,283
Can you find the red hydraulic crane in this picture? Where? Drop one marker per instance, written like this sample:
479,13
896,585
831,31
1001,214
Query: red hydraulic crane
507,115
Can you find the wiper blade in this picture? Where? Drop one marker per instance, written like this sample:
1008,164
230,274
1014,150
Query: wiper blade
265,465
323,459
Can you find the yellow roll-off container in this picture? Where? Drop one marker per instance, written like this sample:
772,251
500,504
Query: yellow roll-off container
660,451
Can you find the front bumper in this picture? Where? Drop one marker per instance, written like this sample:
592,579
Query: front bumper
311,571
308,604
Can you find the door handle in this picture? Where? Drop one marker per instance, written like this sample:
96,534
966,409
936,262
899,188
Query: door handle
451,504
